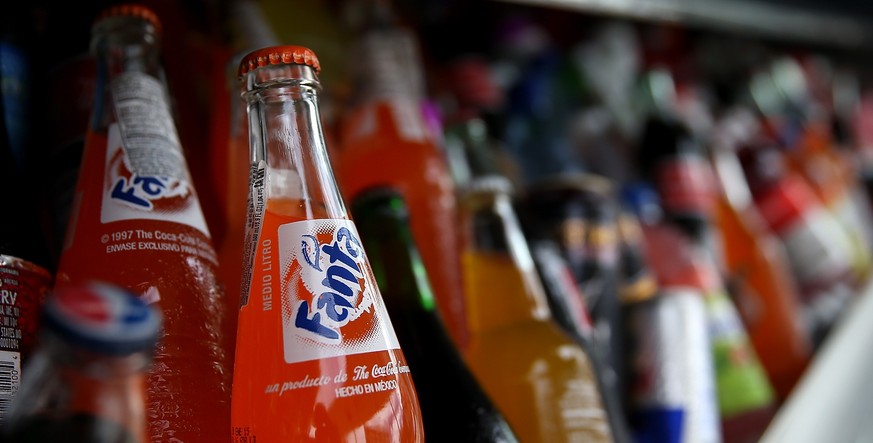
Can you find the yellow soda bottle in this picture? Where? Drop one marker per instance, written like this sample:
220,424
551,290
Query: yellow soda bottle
542,381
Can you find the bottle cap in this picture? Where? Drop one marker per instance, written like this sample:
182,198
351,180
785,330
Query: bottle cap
279,55
642,199
102,318
130,10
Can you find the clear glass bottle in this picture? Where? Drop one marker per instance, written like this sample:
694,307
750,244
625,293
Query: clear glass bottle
317,358
86,382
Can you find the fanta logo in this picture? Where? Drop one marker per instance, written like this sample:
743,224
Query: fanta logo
142,191
334,269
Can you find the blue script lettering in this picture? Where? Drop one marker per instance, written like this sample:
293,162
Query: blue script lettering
140,191
341,281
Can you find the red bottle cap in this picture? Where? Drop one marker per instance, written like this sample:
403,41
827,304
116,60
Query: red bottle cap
279,55
130,10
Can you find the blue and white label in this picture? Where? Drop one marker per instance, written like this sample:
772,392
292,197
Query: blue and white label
331,305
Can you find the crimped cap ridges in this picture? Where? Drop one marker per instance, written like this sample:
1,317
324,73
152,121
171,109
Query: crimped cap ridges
279,55
130,10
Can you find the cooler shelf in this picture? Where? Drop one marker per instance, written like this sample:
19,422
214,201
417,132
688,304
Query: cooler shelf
786,21
834,400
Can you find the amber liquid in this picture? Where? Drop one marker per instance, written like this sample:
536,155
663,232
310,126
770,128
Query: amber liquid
539,379
375,153
768,300
188,385
316,413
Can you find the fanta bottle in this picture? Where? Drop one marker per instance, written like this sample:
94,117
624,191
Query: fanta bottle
317,358
136,222
542,381
385,141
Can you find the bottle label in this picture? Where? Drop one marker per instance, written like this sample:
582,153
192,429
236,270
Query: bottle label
742,383
818,248
783,204
330,302
686,185
673,388
23,287
146,174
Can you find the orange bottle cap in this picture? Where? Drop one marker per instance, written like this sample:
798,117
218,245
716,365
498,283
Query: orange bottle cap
130,10
279,55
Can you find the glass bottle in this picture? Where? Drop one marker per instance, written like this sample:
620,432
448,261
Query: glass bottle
136,222
671,376
683,178
317,358
87,380
539,378
24,277
758,268
385,141
453,406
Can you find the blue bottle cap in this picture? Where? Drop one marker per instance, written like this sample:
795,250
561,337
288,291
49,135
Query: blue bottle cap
642,200
102,318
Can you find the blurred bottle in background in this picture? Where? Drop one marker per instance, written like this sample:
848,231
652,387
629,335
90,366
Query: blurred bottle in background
453,406
136,222
24,277
671,382
385,141
575,211
231,158
674,161
811,152
87,380
542,381
756,264
818,248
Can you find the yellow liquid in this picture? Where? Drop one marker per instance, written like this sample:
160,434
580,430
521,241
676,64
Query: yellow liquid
541,381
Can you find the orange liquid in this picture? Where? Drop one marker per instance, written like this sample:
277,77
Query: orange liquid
231,247
769,304
375,153
335,410
188,385
540,380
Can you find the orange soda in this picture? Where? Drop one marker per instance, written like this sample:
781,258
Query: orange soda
317,358
136,222
385,142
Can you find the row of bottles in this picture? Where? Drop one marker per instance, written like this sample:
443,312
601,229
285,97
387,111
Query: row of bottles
510,260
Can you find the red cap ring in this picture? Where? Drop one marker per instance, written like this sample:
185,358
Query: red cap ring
279,55
130,10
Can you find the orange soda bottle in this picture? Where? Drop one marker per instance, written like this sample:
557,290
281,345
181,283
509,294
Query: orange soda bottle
386,142
766,295
136,222
317,358
542,381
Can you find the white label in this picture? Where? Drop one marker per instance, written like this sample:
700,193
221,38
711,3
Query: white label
146,174
818,247
256,205
674,361
10,379
331,305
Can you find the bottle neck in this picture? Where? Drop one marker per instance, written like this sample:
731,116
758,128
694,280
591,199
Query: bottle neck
122,45
287,141
389,66
65,381
384,226
502,286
